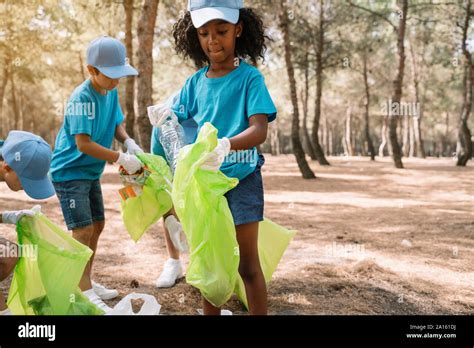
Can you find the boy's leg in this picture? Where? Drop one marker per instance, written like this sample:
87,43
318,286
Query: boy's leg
76,205
84,235
7,264
3,304
250,270
98,227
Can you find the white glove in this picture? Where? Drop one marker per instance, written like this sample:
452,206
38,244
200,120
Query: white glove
12,217
215,158
130,162
132,147
157,113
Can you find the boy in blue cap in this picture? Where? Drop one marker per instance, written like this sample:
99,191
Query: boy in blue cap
93,118
24,165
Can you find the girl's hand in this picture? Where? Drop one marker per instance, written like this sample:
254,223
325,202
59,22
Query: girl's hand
215,158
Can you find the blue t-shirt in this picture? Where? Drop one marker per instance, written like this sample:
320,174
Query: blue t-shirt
87,112
226,102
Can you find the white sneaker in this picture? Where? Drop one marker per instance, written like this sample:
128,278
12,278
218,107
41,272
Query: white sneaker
223,312
172,271
174,228
103,292
95,299
6,312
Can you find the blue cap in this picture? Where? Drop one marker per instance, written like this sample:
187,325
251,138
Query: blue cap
29,156
109,56
203,11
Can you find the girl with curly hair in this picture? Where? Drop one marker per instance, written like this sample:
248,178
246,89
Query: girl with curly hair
219,37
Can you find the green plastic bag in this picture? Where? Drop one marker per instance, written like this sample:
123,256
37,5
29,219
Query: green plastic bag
46,277
198,197
273,240
141,212
80,305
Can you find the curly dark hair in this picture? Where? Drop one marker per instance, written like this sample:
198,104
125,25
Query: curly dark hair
250,45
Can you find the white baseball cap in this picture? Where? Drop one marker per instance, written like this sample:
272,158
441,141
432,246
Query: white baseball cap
203,11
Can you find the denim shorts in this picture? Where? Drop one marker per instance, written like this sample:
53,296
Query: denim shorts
81,202
246,199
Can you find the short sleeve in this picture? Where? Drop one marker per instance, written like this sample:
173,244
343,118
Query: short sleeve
181,102
119,114
258,99
156,147
79,115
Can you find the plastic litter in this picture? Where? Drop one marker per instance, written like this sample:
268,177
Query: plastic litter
124,307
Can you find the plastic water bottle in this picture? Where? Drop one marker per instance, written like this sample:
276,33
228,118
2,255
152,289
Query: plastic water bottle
171,138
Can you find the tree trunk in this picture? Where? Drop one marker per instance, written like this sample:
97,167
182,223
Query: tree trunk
330,142
383,136
412,151
368,139
130,80
275,141
419,151
145,33
319,87
295,137
446,147
347,140
3,86
305,97
16,113
464,149
398,85
81,66
326,136
406,136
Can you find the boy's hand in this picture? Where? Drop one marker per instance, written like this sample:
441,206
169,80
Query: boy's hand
215,158
12,217
132,147
130,162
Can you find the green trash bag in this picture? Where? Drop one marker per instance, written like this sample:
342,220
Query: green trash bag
46,277
198,197
80,305
273,240
141,212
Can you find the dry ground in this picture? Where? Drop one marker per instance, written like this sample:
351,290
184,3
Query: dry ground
372,240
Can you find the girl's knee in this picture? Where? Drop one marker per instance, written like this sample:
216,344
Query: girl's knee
249,271
7,265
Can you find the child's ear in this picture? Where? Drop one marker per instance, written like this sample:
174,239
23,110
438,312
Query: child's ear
238,29
92,71
6,167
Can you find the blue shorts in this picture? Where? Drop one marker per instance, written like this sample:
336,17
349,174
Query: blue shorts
246,199
81,202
